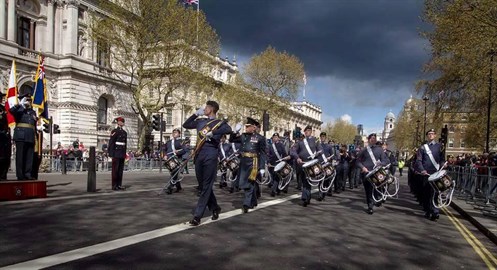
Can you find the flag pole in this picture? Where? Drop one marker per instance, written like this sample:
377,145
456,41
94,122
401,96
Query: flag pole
198,8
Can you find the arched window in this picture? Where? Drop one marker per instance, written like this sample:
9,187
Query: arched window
102,111
390,125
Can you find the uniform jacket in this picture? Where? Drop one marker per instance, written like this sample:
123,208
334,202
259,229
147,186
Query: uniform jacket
178,145
300,151
227,150
252,143
272,157
364,159
423,162
327,151
118,136
25,116
203,126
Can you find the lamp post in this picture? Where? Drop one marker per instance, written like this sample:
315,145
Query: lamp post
416,140
489,105
425,99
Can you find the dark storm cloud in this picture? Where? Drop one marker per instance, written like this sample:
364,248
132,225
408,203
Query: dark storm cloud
361,40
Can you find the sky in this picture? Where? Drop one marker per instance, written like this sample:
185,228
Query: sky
362,58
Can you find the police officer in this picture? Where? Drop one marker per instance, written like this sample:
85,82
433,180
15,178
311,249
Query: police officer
276,154
370,157
429,159
175,147
5,141
24,136
304,151
252,161
117,151
325,157
209,130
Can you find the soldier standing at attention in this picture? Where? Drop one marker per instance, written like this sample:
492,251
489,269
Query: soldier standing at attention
117,150
24,136
209,132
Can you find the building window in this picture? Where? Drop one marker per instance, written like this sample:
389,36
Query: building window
452,129
169,116
463,129
25,34
390,125
103,54
391,120
102,111
451,143
463,144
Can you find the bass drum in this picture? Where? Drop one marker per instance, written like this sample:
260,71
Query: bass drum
283,169
172,163
441,180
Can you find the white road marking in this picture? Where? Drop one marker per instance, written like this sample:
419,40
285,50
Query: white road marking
81,253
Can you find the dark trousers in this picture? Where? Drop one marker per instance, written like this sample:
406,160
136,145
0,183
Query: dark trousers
250,199
24,160
117,172
306,187
206,169
400,171
36,165
174,177
427,197
4,167
276,181
369,189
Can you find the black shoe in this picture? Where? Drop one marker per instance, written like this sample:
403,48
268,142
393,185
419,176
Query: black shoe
273,194
195,221
178,189
434,217
169,191
121,188
370,211
245,209
427,215
215,213
232,190
378,204
115,188
305,203
320,198
285,191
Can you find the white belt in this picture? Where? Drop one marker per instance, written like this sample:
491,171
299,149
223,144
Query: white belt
120,143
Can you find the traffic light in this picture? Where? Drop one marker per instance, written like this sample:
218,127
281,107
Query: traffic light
298,133
156,122
265,121
444,135
56,129
46,127
351,147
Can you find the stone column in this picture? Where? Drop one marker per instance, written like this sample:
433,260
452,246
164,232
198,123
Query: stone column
49,39
3,20
11,21
71,35
32,35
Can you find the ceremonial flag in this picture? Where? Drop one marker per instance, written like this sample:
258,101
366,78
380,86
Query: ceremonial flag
191,2
11,95
40,91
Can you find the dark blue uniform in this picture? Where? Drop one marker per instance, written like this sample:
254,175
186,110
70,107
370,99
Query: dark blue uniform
424,164
206,159
117,151
172,146
5,143
272,159
235,186
24,137
300,151
326,156
364,160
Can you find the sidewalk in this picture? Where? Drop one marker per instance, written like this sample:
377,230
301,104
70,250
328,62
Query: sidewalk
472,212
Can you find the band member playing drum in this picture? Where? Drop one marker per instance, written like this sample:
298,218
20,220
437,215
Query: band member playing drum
252,161
225,152
369,158
175,149
429,159
276,155
209,132
325,157
304,151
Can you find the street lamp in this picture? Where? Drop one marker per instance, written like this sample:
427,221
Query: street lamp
425,98
487,141
416,140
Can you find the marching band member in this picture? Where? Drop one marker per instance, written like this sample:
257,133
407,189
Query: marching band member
342,169
235,147
224,153
303,151
429,158
326,156
370,157
209,132
175,147
276,154
252,161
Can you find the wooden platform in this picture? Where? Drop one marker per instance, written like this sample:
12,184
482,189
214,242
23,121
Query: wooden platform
21,190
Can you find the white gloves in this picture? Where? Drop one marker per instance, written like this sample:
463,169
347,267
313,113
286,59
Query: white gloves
200,111
39,128
262,171
23,102
209,135
238,127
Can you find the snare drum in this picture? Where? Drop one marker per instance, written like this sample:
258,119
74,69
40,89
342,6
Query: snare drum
233,164
378,176
283,169
313,168
172,163
441,180
328,169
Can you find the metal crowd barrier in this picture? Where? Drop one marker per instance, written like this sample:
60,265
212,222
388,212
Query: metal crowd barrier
477,186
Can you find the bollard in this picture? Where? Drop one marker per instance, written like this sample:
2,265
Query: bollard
92,175
64,169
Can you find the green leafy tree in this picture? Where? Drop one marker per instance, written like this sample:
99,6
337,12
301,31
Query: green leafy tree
341,131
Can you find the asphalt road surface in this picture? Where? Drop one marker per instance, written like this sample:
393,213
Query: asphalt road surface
138,229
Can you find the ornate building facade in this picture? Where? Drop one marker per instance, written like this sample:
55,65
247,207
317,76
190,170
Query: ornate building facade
83,96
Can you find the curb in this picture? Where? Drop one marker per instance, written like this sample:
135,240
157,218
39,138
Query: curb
475,222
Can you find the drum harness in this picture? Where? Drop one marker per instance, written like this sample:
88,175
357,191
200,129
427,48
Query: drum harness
383,189
283,181
444,198
312,155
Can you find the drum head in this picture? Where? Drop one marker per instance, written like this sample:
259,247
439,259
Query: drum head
437,175
280,166
370,173
310,163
